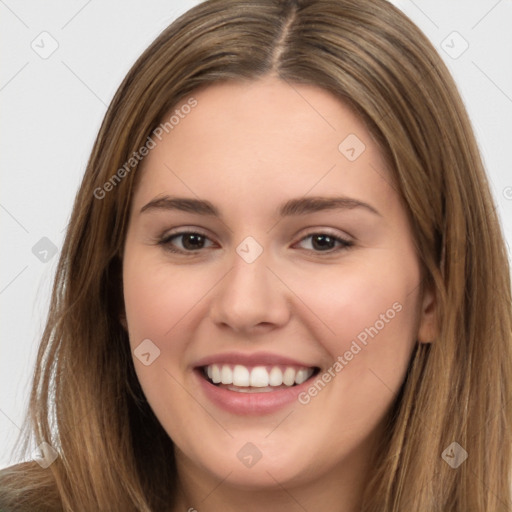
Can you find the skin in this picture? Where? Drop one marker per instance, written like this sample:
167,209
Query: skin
247,148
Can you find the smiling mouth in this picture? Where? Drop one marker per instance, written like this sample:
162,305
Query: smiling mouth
257,379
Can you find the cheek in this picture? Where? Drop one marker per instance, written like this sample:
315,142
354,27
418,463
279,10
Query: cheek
159,301
158,296
354,298
368,313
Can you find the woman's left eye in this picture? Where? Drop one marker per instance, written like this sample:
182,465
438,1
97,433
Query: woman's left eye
192,241
325,242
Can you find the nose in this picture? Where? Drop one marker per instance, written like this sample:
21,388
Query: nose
251,298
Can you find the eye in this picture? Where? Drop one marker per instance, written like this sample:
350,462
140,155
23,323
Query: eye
191,241
325,242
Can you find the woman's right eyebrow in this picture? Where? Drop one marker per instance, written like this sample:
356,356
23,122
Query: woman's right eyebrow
292,207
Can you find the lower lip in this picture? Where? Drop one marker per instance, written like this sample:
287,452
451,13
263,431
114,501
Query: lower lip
250,403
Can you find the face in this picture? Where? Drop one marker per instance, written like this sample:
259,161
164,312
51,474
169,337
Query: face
301,267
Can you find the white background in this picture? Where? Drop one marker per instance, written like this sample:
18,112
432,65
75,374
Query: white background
51,110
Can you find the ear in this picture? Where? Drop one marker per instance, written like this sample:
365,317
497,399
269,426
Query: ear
428,328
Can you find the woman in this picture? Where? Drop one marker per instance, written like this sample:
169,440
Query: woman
283,279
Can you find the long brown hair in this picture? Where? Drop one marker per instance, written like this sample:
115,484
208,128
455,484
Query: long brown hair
86,400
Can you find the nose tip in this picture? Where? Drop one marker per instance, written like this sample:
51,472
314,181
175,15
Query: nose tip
250,296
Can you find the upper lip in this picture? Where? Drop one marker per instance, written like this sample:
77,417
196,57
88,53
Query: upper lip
254,359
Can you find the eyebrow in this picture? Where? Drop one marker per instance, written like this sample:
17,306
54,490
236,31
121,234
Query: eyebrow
292,207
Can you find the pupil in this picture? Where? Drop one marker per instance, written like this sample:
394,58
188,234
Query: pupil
323,241
192,237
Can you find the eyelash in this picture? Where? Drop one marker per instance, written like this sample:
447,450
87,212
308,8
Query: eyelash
165,241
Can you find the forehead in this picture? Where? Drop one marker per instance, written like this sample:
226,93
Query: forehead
269,111
262,139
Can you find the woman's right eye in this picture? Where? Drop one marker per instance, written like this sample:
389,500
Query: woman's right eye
191,241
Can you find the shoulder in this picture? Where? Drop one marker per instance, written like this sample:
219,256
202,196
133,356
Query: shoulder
28,487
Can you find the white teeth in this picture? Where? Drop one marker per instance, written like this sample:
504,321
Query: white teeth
303,375
275,377
240,375
289,376
216,376
226,374
257,377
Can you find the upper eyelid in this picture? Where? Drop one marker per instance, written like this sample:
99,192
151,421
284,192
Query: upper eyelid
199,231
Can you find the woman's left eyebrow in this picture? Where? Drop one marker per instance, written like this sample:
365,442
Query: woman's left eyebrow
292,207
